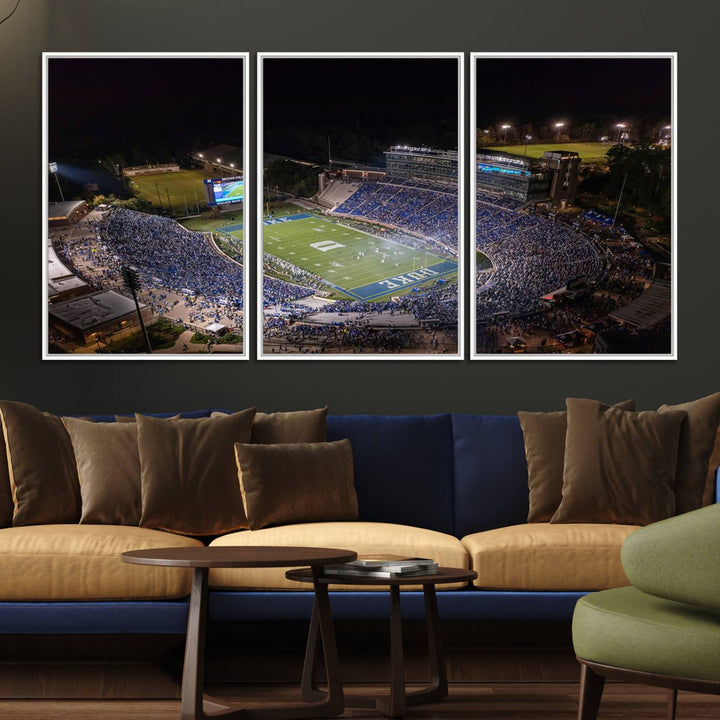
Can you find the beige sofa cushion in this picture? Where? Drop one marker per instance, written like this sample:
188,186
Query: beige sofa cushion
82,562
544,556
365,538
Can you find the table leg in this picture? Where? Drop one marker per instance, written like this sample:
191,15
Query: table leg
394,706
193,670
438,687
195,707
309,688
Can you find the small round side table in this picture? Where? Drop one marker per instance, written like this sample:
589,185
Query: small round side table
395,704
193,705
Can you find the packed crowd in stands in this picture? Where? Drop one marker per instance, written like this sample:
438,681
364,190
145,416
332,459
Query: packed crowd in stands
181,260
337,337
428,209
531,256
164,266
293,273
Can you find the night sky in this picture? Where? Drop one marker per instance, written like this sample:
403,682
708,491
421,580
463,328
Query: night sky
363,104
108,105
542,90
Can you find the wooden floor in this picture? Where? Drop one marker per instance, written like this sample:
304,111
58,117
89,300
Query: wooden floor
476,701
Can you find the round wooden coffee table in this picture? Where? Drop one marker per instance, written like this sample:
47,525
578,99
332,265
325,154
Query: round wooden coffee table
193,705
395,704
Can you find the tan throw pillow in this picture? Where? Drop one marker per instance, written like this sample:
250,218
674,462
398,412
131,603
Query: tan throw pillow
619,466
41,466
108,466
544,435
298,426
697,438
297,483
188,474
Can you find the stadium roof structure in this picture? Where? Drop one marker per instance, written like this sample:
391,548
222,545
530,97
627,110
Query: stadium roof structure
63,210
56,267
650,308
90,311
65,285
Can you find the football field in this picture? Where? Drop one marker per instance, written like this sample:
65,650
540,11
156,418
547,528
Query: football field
357,265
590,152
182,188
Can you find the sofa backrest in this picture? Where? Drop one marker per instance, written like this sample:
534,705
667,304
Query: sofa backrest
403,467
490,483
111,418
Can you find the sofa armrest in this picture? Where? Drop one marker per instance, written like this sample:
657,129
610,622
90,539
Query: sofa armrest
677,558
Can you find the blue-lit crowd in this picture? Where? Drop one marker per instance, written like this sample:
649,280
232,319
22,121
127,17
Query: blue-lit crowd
420,206
169,255
531,255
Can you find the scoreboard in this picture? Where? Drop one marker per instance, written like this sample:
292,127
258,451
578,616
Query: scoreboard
222,191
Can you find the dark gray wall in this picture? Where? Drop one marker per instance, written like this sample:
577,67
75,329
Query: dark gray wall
370,25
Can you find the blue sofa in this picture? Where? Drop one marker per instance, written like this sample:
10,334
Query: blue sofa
452,473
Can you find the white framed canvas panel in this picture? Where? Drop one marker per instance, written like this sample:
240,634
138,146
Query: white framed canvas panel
144,187
574,206
360,206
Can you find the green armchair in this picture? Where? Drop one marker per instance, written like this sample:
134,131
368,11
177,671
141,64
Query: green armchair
664,629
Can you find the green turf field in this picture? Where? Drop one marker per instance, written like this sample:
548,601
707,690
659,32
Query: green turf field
482,261
357,260
589,152
182,187
203,224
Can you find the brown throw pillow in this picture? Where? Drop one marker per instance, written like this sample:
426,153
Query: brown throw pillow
6,501
697,438
188,474
298,426
620,466
297,483
108,466
544,435
41,466
710,491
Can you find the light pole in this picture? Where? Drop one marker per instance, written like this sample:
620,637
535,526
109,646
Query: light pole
527,137
505,128
621,127
219,162
132,283
617,207
558,126
53,167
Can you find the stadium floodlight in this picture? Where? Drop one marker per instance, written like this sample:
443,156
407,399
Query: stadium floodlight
53,168
200,155
620,127
505,128
132,283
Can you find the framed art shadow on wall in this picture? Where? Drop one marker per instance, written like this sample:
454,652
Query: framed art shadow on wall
144,192
574,247
360,161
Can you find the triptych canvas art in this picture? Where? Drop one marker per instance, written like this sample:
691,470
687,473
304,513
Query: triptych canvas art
371,219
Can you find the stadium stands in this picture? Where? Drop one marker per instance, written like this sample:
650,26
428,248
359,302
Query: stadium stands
531,256
418,206
160,249
336,193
